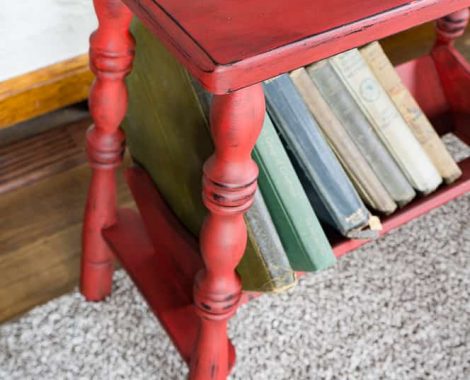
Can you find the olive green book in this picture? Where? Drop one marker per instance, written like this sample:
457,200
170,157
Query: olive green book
167,133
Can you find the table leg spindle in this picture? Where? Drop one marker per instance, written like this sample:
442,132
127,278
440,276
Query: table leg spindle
111,53
452,26
229,185
453,69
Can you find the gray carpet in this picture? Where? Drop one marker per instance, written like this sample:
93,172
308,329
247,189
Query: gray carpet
397,309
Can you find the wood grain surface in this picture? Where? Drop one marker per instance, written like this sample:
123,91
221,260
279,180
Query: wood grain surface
45,154
248,44
40,239
44,90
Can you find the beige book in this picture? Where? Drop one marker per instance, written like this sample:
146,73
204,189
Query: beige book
410,111
357,168
387,121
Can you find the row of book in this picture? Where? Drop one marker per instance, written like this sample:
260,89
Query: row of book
343,142
356,104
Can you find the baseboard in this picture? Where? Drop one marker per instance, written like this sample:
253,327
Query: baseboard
44,90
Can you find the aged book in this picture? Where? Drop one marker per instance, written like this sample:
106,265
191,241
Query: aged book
298,227
364,179
387,121
167,134
410,111
361,132
301,234
333,197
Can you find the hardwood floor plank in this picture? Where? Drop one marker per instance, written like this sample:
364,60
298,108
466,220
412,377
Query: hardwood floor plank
40,239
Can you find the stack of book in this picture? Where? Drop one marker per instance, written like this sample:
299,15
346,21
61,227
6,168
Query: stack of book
343,143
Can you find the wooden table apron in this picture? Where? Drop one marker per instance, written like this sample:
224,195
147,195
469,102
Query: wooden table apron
229,175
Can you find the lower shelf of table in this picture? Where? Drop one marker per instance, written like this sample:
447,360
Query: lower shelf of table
414,210
162,258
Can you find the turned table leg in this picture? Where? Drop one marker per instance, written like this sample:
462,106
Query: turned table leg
453,69
229,185
111,53
451,27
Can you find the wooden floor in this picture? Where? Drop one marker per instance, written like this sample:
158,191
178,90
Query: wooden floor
41,222
40,233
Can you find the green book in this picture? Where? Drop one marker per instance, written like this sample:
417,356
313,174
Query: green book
298,227
167,133
303,238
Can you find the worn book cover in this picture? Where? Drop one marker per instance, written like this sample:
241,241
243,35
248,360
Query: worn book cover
333,197
363,177
335,93
410,111
167,133
301,234
300,231
387,121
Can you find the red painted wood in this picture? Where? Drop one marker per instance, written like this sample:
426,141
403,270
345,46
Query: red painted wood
414,210
229,184
454,70
421,78
152,207
240,30
156,277
232,44
162,259
164,229
160,256
111,54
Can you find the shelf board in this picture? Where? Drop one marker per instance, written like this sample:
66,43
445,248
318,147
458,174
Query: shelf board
162,258
228,45
414,210
156,278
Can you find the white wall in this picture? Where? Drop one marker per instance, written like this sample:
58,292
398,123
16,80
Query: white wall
38,33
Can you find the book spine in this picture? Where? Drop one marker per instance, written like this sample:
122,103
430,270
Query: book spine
335,93
265,266
167,133
301,234
388,123
323,171
410,111
365,180
261,230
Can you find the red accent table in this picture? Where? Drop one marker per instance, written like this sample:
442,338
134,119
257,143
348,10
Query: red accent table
231,47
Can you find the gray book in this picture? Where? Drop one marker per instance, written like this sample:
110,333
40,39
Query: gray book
328,188
267,239
358,169
356,124
299,230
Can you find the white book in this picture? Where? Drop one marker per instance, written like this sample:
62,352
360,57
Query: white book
386,120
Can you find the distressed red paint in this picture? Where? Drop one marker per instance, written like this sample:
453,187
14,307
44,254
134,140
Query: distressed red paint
162,259
111,53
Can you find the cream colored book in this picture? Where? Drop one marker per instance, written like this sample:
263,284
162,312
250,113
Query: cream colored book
417,121
361,132
387,121
357,168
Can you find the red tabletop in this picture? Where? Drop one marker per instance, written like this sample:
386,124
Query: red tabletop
219,41
233,30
